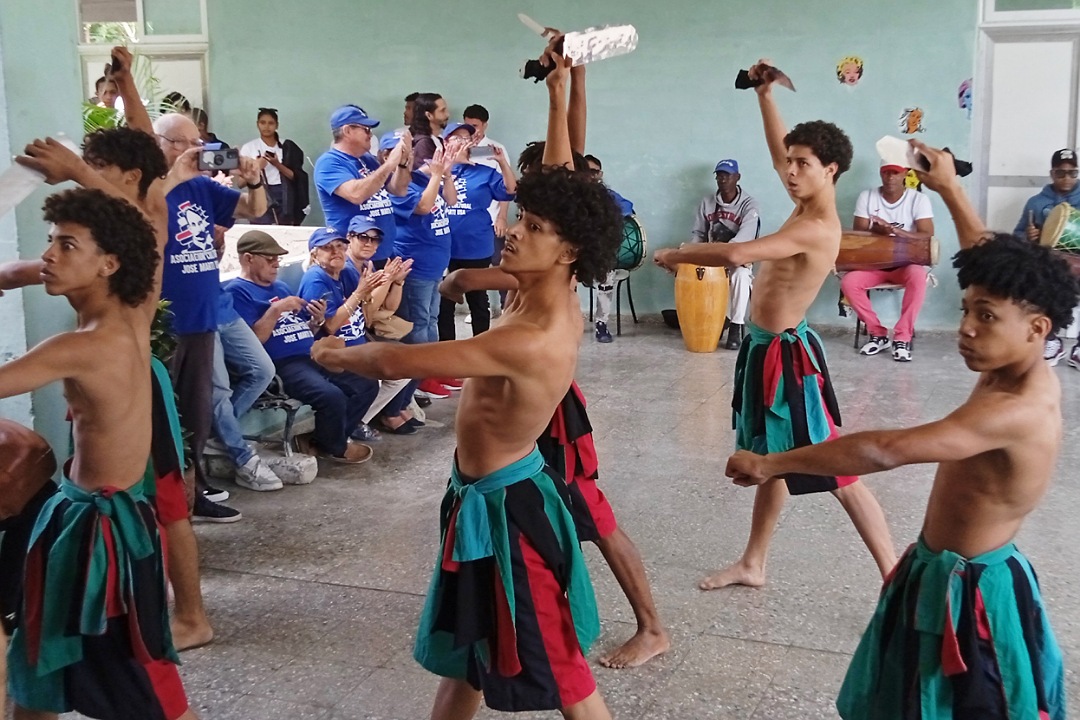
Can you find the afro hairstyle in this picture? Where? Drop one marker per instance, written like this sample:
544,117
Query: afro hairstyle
127,149
829,143
119,229
1029,275
583,213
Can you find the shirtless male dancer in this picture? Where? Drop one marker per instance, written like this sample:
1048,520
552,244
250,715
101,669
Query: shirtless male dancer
977,643
122,163
96,551
510,610
567,442
795,260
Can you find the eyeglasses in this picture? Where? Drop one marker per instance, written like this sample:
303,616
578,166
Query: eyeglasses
272,259
182,142
365,128
1065,173
366,237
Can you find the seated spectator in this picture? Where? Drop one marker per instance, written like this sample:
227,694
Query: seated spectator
202,122
1063,188
897,210
323,281
391,404
278,319
605,291
472,234
730,215
284,176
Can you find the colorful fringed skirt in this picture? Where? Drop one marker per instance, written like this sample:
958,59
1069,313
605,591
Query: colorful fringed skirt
784,399
510,607
957,639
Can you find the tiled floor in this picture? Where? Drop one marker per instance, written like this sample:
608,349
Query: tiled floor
315,595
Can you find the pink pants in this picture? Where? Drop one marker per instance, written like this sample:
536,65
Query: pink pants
856,283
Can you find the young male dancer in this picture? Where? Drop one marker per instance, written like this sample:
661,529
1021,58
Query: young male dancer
960,630
510,609
783,395
93,634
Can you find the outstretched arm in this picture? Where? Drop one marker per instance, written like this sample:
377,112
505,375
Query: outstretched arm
576,113
941,177
499,352
791,240
61,356
119,70
974,428
20,273
456,284
557,149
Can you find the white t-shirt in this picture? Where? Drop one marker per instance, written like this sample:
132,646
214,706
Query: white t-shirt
491,162
255,149
912,206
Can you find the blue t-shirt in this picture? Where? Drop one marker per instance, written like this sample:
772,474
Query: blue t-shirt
332,169
471,232
625,206
291,335
226,312
190,275
423,238
318,285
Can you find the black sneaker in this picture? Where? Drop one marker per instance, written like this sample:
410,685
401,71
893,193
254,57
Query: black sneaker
422,401
212,512
734,337
215,495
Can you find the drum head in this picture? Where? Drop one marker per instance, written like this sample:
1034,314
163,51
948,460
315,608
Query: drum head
632,250
1055,223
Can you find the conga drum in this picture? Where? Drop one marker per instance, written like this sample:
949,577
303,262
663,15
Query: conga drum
26,465
860,250
632,249
1061,230
701,299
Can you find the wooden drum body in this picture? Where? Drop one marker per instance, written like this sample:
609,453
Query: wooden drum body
1062,229
701,299
869,251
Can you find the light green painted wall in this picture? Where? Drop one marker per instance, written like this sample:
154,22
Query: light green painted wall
42,89
659,118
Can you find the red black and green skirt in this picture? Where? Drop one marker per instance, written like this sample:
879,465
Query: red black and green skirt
93,633
510,608
567,446
784,399
957,639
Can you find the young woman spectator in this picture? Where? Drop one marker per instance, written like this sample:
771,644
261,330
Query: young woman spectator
284,176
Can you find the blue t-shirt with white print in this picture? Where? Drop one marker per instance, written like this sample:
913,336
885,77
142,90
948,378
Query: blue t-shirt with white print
317,284
472,235
291,335
334,168
425,239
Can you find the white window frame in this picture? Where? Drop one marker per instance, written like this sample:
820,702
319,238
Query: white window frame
990,15
142,38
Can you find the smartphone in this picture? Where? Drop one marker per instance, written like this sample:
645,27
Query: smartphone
270,154
116,65
482,151
214,158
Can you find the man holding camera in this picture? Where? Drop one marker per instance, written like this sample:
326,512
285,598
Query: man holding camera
1063,188
191,284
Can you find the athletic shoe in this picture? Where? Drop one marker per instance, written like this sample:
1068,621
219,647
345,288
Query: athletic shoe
1053,351
449,383
734,336
1074,357
403,429
422,402
214,495
901,351
254,475
432,390
413,422
602,334
211,512
365,433
876,344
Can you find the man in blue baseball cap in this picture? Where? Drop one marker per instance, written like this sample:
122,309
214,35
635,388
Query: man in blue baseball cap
351,181
730,215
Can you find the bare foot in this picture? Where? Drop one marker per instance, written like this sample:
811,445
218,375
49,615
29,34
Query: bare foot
737,574
644,646
187,636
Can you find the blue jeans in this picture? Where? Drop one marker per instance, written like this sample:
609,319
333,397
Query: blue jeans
340,400
237,350
420,305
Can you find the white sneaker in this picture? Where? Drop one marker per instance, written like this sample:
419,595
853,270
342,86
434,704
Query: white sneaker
901,351
297,469
254,475
1053,351
874,345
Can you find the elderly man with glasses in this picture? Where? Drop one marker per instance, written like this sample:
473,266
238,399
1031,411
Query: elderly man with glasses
1063,188
351,181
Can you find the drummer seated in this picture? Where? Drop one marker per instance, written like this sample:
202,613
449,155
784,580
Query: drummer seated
898,211
1063,188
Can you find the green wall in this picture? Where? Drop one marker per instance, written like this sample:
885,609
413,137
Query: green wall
42,91
659,118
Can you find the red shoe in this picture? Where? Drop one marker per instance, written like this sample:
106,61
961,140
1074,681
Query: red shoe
432,390
449,383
